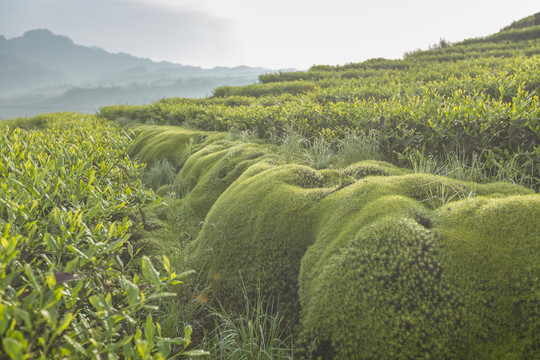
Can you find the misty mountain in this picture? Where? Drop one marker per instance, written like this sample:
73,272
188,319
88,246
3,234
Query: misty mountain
44,72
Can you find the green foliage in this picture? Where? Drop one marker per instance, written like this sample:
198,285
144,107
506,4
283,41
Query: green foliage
375,261
259,90
455,166
487,107
68,286
37,122
272,215
257,230
243,136
371,234
371,168
160,173
259,332
377,282
210,171
491,252
532,20
209,162
159,143
318,155
383,295
291,147
357,147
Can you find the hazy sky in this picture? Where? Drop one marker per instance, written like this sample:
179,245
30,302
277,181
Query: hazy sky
270,33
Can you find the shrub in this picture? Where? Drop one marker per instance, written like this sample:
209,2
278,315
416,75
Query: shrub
68,286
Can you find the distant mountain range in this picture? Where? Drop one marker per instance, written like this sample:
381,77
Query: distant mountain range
43,72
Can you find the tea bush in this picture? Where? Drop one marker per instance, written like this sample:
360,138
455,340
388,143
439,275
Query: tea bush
484,107
68,284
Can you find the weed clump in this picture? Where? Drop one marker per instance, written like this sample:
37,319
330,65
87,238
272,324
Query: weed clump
159,173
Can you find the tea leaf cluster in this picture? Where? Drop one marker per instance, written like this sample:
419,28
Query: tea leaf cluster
69,286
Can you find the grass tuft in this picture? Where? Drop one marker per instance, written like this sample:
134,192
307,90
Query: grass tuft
160,173
357,147
260,332
318,155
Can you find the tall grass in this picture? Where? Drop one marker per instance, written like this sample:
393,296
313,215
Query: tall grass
356,147
159,173
291,146
260,332
458,167
321,153
318,154
236,134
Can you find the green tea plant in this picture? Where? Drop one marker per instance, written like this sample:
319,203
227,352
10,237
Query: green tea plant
69,287
487,106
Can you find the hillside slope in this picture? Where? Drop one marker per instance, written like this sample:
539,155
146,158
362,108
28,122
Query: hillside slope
372,260
300,201
477,100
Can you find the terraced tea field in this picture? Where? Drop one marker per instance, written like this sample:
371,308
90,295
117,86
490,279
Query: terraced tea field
379,210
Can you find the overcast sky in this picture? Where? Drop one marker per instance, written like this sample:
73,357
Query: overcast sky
275,34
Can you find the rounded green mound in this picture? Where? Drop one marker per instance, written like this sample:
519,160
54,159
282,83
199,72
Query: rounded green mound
492,251
341,214
257,232
382,296
419,266
371,168
374,261
171,143
372,211
210,171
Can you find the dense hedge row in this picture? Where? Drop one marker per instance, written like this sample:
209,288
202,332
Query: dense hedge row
68,284
294,88
485,109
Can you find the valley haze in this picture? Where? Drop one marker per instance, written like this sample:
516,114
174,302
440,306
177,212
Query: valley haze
41,72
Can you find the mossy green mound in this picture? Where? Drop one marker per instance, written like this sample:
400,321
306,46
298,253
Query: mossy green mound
343,212
372,260
171,143
384,221
382,296
491,255
209,172
258,231
380,281
368,255
372,168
